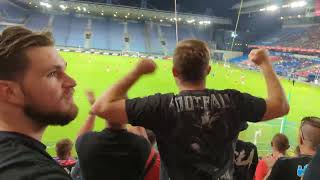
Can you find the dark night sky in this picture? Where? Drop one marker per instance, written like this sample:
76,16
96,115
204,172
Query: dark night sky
219,7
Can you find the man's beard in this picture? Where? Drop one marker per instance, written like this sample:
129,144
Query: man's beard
51,118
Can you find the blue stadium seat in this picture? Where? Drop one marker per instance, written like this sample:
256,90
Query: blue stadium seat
77,27
137,41
37,21
61,29
100,34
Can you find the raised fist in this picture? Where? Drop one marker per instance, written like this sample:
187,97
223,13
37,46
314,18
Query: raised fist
259,56
146,66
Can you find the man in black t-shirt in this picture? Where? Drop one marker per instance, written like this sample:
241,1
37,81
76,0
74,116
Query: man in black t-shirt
113,153
245,160
313,172
196,129
35,92
294,168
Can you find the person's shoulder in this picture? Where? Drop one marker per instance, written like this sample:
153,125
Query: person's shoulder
86,138
139,141
225,91
28,162
292,160
248,145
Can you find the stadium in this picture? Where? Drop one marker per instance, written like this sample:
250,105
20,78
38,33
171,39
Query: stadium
102,40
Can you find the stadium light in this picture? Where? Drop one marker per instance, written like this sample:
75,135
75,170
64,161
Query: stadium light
126,17
161,20
204,22
84,9
299,16
298,4
263,9
191,21
102,14
47,5
79,8
63,7
114,15
281,18
272,8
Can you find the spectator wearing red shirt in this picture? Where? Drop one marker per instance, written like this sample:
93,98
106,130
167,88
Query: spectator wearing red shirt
279,144
64,158
153,164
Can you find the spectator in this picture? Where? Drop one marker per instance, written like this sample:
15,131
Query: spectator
279,145
245,160
64,158
114,150
309,139
196,128
85,128
312,172
35,92
155,162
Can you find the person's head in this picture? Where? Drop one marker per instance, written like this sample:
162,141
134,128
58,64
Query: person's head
280,143
151,137
309,135
33,78
191,62
63,149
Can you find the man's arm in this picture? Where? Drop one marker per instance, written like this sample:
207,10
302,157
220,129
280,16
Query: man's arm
277,104
111,106
89,123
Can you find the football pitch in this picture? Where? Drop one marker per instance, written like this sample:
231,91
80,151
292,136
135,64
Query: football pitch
98,72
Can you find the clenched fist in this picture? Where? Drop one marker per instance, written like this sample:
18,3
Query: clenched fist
259,56
145,66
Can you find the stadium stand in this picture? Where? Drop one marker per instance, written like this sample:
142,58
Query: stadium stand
136,37
100,36
76,35
297,37
37,21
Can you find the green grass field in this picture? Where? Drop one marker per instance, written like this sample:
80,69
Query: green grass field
97,72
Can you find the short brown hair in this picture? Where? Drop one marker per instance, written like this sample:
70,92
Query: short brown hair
280,142
191,58
310,131
13,43
63,148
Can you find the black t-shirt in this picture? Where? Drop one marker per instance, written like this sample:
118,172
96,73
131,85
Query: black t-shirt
245,160
24,158
313,170
112,154
196,130
290,168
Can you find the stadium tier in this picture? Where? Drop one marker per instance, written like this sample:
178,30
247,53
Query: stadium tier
302,37
71,30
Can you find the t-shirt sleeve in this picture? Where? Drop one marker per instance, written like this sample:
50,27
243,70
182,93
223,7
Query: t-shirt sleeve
277,169
251,108
147,112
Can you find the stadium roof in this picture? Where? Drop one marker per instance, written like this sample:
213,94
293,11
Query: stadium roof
251,6
121,12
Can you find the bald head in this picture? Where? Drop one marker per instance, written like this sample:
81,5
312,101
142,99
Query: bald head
310,132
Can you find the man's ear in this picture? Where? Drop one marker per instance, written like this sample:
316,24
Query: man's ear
208,69
175,72
10,92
